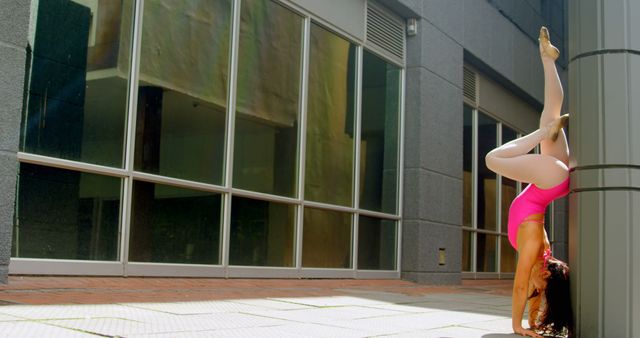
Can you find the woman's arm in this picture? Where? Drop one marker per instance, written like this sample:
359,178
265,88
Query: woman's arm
534,309
529,244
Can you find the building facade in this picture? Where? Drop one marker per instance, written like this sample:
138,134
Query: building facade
264,138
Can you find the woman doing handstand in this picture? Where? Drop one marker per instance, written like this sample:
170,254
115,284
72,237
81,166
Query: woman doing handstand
548,176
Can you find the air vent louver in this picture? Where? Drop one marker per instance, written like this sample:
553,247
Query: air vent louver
469,78
385,32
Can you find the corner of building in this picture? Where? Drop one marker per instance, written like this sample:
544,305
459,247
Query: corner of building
14,25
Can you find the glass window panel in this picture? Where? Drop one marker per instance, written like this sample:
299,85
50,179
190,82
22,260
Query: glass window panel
379,141
63,214
487,182
548,222
376,244
509,186
467,165
486,253
266,126
507,256
326,241
330,114
77,86
182,96
262,233
467,254
174,225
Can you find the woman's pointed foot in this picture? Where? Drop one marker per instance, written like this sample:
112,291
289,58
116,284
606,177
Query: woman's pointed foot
555,126
546,48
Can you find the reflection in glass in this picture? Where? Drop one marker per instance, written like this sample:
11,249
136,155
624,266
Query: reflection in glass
509,186
63,214
486,253
330,119
467,255
174,225
507,256
180,127
376,244
379,143
77,85
266,126
262,233
467,160
326,241
487,182
548,222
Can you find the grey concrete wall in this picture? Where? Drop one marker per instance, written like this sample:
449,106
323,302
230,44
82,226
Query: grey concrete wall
433,149
495,36
604,222
14,25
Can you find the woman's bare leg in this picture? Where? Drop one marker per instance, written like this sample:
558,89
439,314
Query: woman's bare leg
513,161
553,97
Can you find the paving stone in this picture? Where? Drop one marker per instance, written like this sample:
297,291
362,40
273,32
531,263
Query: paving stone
74,311
103,326
32,329
315,330
495,326
449,332
331,301
7,318
271,304
185,308
266,332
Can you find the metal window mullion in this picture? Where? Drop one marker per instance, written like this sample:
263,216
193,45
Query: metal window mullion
304,86
177,182
70,165
474,186
498,247
400,172
231,113
356,161
127,184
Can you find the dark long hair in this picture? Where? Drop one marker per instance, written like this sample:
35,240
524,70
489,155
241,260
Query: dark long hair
558,315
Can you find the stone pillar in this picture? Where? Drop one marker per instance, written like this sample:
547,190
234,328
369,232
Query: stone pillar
14,27
433,149
604,205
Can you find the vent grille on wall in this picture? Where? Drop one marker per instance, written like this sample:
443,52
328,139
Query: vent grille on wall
385,33
469,78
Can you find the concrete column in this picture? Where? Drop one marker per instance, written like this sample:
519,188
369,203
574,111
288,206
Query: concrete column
14,25
604,206
432,175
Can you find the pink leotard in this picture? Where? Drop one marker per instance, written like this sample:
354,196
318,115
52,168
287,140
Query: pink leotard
532,200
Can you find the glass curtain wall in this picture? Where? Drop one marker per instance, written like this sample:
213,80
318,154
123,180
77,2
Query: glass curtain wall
142,144
487,197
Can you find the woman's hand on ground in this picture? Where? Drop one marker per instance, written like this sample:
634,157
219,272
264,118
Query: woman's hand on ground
527,333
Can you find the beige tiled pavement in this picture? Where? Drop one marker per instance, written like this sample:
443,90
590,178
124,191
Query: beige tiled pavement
55,307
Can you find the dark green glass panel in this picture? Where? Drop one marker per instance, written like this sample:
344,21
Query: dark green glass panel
486,253
63,214
182,97
487,180
262,233
78,81
379,144
467,167
508,257
377,240
330,119
174,225
467,254
266,126
326,241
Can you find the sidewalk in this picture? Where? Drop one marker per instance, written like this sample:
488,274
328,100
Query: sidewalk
189,307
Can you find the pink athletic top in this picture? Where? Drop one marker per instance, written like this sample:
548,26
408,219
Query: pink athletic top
532,200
